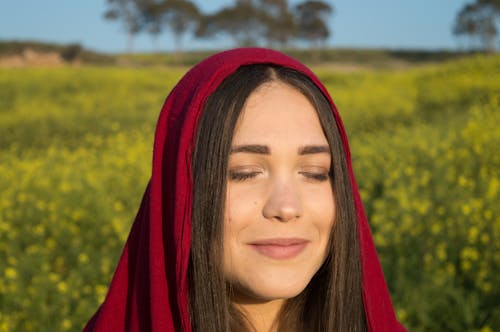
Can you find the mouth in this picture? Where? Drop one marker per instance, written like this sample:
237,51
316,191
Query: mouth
282,248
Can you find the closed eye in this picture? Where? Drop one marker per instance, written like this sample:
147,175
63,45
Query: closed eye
242,176
320,177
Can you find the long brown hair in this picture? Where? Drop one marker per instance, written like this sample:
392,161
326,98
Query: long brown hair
333,299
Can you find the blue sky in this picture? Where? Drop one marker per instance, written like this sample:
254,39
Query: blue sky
408,24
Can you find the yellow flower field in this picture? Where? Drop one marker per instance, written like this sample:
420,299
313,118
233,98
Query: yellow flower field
75,157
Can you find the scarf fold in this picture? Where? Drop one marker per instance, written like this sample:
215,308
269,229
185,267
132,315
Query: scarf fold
149,290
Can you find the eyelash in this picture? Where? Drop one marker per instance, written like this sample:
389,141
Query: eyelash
242,176
320,177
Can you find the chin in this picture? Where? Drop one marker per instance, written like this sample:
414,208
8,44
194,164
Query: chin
284,294
268,289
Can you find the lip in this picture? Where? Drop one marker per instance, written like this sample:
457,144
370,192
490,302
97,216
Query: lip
280,248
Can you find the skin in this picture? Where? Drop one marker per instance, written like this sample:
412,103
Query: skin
278,188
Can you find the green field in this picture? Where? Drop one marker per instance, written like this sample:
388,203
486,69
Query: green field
75,157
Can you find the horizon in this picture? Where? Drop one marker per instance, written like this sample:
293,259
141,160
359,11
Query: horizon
216,49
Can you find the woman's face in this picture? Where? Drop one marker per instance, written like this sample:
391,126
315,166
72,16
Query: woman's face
280,207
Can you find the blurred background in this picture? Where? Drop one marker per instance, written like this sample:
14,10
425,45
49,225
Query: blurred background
417,84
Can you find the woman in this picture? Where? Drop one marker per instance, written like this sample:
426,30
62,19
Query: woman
252,220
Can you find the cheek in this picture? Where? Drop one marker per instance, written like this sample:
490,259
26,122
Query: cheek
240,212
242,207
239,216
321,203
322,209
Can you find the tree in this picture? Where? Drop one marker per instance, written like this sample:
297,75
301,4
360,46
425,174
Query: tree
152,20
278,21
477,21
312,18
249,22
128,12
242,21
179,15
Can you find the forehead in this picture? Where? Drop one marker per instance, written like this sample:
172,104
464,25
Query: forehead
278,110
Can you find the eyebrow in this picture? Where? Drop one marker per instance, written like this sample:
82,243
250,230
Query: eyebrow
312,149
253,148
263,149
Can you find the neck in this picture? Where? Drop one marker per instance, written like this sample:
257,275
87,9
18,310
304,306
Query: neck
262,315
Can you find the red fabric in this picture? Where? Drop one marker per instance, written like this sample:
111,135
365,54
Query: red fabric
149,290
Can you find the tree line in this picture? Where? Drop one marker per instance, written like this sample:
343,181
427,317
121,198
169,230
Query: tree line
273,23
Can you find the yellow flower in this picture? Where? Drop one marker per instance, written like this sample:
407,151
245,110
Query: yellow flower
62,287
65,187
441,252
462,181
473,233
53,277
493,188
10,273
101,292
118,206
401,314
466,209
409,171
486,287
83,258
39,229
51,243
66,324
4,326
470,253
77,214
450,269
466,265
41,204
436,228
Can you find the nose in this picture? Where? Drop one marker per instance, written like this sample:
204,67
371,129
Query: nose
283,203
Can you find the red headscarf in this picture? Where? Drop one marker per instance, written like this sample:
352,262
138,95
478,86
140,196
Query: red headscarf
149,290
